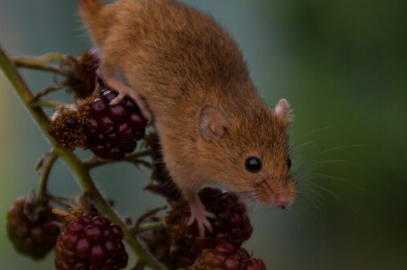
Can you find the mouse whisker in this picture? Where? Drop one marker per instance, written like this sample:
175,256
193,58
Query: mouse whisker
306,209
293,149
314,203
341,147
317,176
318,130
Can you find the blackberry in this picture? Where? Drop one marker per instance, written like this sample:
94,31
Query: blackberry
90,242
232,224
226,256
110,132
113,131
31,228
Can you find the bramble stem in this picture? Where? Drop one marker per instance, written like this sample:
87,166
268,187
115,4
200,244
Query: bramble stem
132,158
41,62
46,169
46,91
43,59
79,170
46,103
149,227
41,67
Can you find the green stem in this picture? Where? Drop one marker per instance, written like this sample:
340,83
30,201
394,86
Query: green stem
46,103
41,67
149,227
43,59
74,163
46,169
132,158
41,62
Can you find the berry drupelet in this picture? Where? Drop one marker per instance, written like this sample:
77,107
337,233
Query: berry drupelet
31,228
90,243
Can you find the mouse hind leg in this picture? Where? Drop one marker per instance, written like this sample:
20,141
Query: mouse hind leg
98,18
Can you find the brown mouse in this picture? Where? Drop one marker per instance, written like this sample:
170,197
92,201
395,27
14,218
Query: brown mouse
188,76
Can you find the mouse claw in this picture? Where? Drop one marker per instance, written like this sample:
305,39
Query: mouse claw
201,216
117,99
140,103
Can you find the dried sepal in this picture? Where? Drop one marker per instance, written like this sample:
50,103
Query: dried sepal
68,128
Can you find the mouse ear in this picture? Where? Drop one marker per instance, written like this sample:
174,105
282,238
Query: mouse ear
283,110
212,123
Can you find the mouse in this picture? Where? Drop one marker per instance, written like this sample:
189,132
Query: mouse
190,80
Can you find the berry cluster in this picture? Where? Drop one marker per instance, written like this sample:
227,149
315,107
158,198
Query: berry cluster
226,256
232,225
90,242
31,228
231,228
110,132
113,131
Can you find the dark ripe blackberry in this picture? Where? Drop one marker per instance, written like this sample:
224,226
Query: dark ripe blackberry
232,224
226,256
90,242
31,228
113,131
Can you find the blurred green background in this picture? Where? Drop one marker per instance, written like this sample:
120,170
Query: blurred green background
343,67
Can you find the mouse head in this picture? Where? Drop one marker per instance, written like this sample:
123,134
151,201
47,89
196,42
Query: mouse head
248,151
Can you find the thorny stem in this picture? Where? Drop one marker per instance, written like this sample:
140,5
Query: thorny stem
47,91
74,163
132,158
46,103
149,227
46,169
41,62
43,59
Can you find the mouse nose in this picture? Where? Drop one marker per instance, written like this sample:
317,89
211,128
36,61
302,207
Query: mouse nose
283,201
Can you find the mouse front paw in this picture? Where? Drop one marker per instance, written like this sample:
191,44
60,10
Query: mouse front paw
201,216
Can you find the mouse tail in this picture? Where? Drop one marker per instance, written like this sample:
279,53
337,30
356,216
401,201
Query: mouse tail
91,12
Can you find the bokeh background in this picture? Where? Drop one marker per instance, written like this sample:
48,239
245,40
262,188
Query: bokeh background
343,67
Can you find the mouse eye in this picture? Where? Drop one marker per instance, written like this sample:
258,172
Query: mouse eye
253,164
289,163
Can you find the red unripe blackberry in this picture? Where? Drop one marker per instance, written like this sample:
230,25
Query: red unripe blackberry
90,242
31,228
226,256
113,131
232,224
